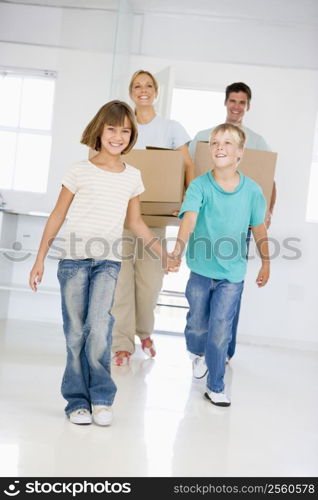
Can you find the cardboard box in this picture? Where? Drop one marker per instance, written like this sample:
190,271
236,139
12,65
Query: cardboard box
160,220
258,165
163,175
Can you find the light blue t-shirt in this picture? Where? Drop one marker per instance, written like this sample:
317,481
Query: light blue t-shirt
161,133
217,246
253,141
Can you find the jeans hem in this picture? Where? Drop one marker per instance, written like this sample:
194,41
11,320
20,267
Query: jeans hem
102,403
77,408
212,390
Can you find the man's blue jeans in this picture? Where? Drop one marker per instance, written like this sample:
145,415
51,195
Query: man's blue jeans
87,292
213,304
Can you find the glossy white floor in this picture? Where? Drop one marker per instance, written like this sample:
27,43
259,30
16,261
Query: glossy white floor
162,425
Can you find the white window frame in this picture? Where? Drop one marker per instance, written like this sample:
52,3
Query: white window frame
26,73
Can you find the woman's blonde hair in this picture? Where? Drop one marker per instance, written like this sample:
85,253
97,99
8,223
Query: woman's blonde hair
238,134
141,72
113,113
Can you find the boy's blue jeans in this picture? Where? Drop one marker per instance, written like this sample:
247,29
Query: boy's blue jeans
232,344
213,305
87,293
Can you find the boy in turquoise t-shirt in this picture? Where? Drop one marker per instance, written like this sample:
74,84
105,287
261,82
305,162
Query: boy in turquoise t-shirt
217,211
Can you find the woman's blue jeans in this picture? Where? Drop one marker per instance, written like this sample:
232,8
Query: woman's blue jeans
87,293
213,305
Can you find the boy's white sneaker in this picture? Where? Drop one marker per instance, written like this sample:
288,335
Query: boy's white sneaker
102,415
217,398
80,417
199,368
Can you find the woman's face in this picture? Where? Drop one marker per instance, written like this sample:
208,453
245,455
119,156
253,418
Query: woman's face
143,91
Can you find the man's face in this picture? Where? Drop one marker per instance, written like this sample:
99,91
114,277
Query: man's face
236,105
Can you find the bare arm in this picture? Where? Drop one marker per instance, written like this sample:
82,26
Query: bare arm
135,223
186,229
188,163
260,237
51,229
271,206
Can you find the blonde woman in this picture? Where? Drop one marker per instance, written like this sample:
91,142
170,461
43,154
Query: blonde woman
140,280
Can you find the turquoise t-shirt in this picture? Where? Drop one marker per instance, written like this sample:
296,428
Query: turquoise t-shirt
253,140
217,246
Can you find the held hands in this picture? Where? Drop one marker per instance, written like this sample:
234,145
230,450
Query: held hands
263,276
171,264
36,275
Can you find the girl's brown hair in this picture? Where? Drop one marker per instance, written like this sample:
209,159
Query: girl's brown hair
113,113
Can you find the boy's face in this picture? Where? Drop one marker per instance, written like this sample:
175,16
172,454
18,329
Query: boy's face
115,139
236,106
225,150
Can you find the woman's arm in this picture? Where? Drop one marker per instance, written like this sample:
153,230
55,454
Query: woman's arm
51,229
135,223
188,163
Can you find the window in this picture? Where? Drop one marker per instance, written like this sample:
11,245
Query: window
26,103
197,109
312,203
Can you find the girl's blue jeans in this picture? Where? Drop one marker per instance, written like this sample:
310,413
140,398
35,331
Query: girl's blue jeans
213,305
87,293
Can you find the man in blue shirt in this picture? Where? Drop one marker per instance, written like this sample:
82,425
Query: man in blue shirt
218,209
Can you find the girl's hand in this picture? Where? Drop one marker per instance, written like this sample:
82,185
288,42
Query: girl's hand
263,276
36,275
172,264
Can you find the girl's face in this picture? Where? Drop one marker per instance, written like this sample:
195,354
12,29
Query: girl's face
225,150
143,91
115,139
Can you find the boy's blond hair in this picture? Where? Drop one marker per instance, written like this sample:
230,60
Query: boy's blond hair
113,113
238,134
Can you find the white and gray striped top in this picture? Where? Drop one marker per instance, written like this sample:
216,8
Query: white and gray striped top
96,217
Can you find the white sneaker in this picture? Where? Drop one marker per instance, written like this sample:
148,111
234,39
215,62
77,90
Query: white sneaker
102,415
199,367
217,398
80,417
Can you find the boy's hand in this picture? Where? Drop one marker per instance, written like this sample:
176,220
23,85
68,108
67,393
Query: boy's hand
172,264
36,275
263,276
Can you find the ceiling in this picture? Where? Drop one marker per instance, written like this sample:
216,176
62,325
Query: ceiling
270,11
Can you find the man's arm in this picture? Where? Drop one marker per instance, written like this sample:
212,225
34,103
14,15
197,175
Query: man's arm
269,213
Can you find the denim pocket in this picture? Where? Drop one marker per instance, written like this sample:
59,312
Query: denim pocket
113,269
67,268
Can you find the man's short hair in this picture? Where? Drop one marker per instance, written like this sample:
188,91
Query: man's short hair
238,87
